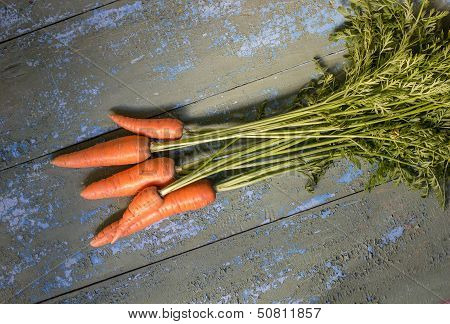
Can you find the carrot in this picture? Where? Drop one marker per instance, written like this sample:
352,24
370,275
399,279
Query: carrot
191,197
163,128
146,201
106,235
155,172
120,151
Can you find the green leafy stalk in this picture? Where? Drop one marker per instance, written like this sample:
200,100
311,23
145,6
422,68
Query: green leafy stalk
391,108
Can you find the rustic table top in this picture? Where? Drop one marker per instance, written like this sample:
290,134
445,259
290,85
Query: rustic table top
65,65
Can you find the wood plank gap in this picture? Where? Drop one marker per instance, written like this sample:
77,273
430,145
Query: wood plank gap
50,24
178,107
208,244
384,257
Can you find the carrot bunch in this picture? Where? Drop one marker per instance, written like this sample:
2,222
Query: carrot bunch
389,107
143,180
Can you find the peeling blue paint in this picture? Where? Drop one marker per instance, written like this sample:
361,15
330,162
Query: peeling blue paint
163,45
281,24
24,214
170,239
314,300
29,257
312,202
352,173
66,278
301,275
89,215
333,278
161,236
13,150
95,259
321,22
205,11
89,131
237,260
16,150
117,45
90,92
252,294
16,20
18,209
274,33
10,20
32,63
218,9
99,19
56,106
171,72
392,236
253,194
325,213
294,251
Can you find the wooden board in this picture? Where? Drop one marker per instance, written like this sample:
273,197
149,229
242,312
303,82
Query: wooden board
369,247
58,84
204,63
45,229
21,17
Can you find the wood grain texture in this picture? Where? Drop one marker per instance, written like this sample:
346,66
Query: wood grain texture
370,247
206,63
45,228
20,17
59,83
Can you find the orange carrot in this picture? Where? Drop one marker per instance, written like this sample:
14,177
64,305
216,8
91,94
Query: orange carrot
154,172
191,197
120,151
146,201
106,235
163,128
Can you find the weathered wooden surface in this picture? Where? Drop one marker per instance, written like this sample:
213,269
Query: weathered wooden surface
43,224
59,83
213,62
20,17
363,248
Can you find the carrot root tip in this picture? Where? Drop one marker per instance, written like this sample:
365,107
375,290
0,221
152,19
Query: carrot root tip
85,194
57,162
95,242
113,116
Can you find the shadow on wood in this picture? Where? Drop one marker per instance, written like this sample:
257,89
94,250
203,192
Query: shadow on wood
114,217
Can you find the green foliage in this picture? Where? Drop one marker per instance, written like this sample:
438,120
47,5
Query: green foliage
398,58
391,108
